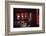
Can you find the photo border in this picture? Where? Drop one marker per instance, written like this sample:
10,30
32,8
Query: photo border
7,18
26,28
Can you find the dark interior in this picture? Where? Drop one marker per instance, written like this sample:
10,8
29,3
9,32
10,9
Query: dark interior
25,11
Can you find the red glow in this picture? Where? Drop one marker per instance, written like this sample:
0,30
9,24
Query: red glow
26,15
18,16
22,16
37,19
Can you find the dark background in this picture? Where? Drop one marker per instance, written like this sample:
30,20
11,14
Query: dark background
35,16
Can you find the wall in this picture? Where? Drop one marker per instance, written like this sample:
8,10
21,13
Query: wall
2,18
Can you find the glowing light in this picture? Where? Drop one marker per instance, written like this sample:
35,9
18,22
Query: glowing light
22,16
18,16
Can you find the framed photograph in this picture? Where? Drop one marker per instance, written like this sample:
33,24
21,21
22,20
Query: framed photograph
24,18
